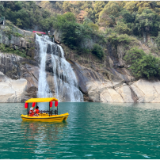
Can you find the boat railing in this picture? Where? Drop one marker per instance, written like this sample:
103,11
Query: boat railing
49,112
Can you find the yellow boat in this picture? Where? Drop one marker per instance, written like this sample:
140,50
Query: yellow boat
43,116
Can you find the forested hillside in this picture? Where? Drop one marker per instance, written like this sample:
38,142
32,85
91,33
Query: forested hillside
137,18
99,24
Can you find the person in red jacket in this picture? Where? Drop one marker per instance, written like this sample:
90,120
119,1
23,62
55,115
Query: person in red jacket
31,113
36,111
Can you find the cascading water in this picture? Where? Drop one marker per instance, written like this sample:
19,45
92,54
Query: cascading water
65,82
43,88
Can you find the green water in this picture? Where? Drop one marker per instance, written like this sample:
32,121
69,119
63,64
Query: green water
93,130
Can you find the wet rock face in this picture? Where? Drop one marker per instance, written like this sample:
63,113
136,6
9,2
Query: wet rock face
52,48
85,75
49,66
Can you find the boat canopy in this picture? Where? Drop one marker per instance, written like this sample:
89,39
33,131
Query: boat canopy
41,100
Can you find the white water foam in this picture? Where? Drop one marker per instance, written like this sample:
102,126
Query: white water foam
66,85
43,87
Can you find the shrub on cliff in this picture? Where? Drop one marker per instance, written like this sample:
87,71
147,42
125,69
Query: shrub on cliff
98,51
73,33
142,65
62,20
6,49
122,28
115,39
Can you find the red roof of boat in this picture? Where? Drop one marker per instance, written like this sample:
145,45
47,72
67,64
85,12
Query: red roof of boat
39,32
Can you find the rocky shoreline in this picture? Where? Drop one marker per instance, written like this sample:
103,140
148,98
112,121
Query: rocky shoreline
141,91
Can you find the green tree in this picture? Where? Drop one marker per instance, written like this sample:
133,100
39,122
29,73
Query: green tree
61,20
147,23
127,16
86,21
93,26
112,8
19,22
122,28
158,40
31,2
24,14
72,32
98,51
131,6
142,65
67,6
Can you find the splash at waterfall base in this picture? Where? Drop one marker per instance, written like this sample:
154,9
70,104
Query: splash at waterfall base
44,116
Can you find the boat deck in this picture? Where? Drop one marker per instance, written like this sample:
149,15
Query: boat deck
46,118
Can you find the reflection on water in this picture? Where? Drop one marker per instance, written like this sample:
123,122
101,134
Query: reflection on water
40,135
43,129
93,130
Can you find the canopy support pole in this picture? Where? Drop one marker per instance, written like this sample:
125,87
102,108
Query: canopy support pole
49,110
28,110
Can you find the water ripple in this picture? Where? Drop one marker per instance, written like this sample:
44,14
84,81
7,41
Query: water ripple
93,130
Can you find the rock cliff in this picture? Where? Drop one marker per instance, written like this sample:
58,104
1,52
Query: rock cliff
16,68
141,91
12,90
107,80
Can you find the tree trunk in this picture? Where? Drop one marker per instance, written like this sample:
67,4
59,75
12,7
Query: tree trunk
144,36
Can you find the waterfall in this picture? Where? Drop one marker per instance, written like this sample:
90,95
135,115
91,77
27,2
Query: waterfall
43,87
64,78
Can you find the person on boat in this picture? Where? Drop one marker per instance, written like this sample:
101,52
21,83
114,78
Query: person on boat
31,113
36,111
